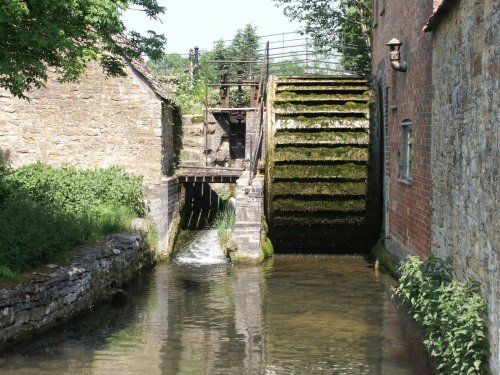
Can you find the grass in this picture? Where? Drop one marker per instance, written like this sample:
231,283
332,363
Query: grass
224,225
46,212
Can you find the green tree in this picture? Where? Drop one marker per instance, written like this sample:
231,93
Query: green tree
42,36
245,44
342,25
170,64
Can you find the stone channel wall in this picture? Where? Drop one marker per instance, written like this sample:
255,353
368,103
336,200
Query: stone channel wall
57,292
466,150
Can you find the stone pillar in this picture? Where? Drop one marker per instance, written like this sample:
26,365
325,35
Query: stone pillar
247,232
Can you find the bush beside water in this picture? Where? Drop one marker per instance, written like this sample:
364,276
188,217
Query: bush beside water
45,212
452,314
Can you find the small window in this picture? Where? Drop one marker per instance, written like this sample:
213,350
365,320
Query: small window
405,168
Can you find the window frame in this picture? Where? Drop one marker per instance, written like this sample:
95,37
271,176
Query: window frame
405,166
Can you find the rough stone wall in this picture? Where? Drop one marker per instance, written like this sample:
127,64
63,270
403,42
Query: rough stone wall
58,292
247,232
163,204
466,149
409,97
96,123
99,122
193,141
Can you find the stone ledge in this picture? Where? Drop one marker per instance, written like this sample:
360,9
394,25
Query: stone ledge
59,292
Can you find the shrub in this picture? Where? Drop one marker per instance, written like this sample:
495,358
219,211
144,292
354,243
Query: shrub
452,314
47,211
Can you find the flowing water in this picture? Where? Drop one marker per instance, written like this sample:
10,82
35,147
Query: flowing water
292,315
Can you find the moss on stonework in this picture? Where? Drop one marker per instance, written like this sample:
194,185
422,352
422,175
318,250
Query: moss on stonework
243,259
197,120
319,188
291,204
332,137
322,122
348,171
348,107
320,153
315,220
289,95
301,88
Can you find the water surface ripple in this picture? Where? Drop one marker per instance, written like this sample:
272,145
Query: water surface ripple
292,315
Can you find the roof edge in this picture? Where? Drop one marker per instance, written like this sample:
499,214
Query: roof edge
141,68
438,15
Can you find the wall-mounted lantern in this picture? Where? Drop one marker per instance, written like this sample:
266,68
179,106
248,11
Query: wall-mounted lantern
395,56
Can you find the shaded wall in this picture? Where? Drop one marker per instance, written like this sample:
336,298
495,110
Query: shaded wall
466,149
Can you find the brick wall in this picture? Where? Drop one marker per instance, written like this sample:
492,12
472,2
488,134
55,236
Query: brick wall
466,149
407,96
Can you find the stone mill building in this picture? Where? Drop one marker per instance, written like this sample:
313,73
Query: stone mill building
99,122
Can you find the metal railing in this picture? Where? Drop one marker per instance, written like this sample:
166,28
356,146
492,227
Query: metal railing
255,143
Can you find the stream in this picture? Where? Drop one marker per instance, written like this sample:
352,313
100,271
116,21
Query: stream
294,314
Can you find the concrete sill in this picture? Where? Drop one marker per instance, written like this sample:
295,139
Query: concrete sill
405,181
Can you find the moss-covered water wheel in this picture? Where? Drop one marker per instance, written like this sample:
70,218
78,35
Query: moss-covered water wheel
321,172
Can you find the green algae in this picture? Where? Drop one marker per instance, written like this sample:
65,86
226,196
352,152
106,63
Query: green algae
287,122
320,154
290,95
349,107
346,171
325,87
323,137
292,204
318,220
319,188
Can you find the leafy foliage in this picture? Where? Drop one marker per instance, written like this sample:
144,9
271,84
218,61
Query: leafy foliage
189,94
47,211
452,314
170,64
342,25
41,35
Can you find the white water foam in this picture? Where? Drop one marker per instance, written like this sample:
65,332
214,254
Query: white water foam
205,249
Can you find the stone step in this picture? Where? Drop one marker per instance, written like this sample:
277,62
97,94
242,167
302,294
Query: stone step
361,89
316,219
299,204
321,138
349,171
191,154
292,97
327,189
322,109
340,153
284,122
194,142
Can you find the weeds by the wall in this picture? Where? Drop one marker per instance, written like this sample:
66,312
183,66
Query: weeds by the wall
224,225
452,314
46,212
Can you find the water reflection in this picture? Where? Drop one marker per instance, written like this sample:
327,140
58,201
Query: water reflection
297,315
